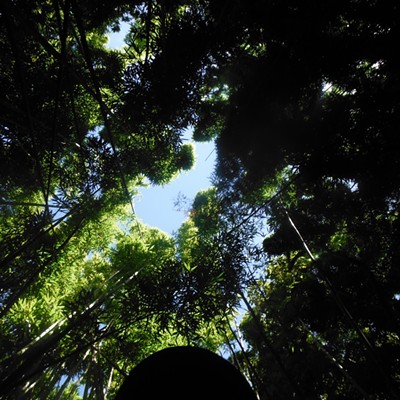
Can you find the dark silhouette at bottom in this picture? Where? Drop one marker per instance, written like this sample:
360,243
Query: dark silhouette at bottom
185,373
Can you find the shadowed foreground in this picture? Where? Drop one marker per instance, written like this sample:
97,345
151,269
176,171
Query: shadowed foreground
182,373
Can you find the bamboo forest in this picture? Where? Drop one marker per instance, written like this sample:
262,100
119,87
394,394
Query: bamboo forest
288,265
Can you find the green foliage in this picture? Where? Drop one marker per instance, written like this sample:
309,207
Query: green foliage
206,211
185,158
302,101
70,160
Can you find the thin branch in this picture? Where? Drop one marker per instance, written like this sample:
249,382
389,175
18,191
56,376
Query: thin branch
11,29
99,98
268,345
265,204
63,30
29,204
337,364
346,312
255,378
148,28
28,283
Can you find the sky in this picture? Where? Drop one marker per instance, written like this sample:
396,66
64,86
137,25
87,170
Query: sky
154,205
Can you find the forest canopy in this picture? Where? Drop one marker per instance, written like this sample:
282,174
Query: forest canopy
288,264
